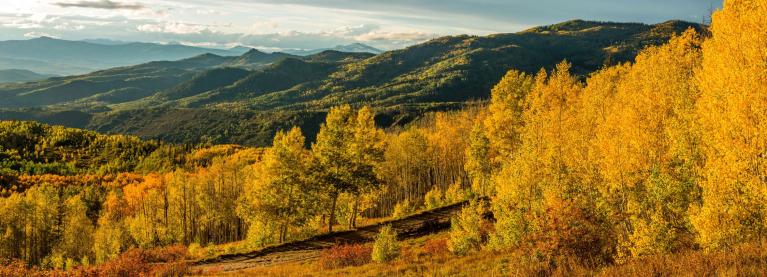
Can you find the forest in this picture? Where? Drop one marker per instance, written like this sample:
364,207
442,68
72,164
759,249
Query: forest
661,155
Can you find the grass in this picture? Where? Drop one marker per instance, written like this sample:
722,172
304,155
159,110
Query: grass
423,257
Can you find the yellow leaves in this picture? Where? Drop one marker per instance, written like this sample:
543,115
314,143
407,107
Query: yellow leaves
504,120
733,117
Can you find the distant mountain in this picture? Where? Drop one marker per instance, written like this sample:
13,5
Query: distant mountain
350,48
255,58
105,41
20,75
240,49
64,57
245,99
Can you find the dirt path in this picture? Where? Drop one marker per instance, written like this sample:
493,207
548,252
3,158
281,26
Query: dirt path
412,226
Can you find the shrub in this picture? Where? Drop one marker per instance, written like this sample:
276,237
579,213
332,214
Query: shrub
167,254
402,209
18,268
455,193
466,231
168,261
434,198
510,227
131,263
573,228
340,256
436,247
386,247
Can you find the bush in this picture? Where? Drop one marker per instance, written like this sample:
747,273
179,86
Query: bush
131,263
573,228
466,232
402,209
386,247
168,261
18,268
455,194
434,198
436,247
346,255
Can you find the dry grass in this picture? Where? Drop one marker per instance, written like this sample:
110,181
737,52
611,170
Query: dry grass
168,261
744,260
425,257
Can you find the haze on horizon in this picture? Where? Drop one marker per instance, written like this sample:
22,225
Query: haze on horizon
305,24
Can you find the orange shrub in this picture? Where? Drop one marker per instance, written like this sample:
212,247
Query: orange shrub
17,268
168,261
345,255
131,263
167,254
436,247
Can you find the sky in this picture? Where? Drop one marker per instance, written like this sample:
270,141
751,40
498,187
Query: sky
311,24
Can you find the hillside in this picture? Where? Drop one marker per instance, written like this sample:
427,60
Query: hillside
20,75
349,48
435,75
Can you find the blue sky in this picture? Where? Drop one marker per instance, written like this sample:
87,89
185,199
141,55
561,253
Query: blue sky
305,24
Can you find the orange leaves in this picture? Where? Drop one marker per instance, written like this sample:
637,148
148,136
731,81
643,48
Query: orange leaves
573,229
345,255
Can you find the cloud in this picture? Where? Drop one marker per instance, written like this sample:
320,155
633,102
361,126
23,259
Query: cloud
69,26
173,28
100,4
39,34
355,30
394,36
266,24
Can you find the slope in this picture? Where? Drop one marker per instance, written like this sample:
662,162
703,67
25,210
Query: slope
440,74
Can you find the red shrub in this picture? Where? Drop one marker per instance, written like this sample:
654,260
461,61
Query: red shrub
167,254
131,263
17,268
168,261
346,255
436,247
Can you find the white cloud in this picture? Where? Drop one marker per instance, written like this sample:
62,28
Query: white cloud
266,24
394,36
173,28
200,44
39,34
69,26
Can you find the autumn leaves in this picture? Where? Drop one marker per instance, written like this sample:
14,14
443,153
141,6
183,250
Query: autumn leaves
658,156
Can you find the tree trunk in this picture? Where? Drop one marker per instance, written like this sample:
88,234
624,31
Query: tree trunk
283,232
353,216
332,215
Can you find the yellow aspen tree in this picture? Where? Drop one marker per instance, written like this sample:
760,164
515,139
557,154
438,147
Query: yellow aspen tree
647,149
367,152
331,162
538,169
280,194
77,237
733,115
478,164
504,120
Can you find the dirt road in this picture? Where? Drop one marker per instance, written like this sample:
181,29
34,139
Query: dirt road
412,226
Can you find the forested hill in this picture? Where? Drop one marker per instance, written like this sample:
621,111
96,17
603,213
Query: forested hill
35,149
246,99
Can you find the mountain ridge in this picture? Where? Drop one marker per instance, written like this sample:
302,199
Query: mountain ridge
439,74
85,56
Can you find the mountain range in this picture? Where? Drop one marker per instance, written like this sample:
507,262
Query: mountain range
244,99
64,57
350,48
